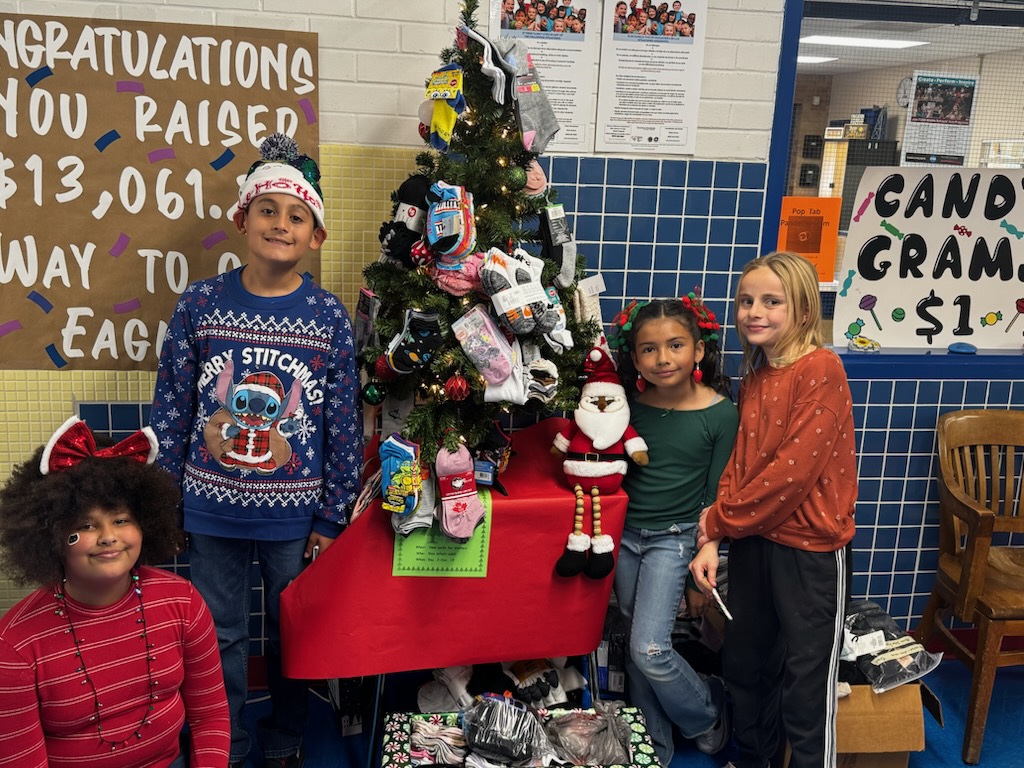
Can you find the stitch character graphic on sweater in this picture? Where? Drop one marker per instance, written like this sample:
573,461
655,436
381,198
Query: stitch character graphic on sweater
251,428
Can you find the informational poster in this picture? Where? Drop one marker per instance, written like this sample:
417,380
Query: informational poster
564,53
937,130
933,258
651,67
121,150
810,226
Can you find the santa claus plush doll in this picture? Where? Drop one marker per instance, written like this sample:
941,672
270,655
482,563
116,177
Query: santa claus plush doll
596,446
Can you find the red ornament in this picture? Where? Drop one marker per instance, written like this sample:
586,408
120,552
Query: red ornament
457,388
384,371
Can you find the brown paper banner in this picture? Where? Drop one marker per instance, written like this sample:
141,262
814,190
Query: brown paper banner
121,147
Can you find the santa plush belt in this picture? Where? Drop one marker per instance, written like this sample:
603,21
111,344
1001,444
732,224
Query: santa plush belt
596,456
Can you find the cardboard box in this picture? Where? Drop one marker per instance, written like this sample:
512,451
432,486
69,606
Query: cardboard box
880,730
398,734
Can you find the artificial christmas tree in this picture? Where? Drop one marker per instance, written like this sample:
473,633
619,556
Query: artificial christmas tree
472,305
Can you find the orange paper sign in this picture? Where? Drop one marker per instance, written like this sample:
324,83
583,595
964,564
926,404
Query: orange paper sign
810,226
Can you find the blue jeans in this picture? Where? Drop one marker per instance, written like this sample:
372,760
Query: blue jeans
649,581
222,572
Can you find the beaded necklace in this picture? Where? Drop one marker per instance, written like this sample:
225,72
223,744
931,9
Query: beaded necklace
63,611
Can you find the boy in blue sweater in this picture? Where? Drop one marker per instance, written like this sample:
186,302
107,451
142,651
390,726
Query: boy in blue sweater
258,416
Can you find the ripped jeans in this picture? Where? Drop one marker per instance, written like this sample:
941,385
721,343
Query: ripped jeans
649,581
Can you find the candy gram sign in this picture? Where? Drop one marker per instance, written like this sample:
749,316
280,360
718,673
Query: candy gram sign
934,256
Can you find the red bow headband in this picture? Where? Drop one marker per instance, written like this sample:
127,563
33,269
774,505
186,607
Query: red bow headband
73,442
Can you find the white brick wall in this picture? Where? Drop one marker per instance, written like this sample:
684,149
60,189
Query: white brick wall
375,54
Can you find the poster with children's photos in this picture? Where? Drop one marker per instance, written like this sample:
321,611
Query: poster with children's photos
123,145
652,58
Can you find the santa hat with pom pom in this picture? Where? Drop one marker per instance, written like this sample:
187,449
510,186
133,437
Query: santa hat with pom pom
282,170
602,378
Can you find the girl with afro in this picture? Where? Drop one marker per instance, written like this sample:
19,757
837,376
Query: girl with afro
106,661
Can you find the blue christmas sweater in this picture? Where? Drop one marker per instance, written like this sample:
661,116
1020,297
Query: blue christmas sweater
257,411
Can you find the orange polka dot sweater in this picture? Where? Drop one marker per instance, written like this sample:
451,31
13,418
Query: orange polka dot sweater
792,476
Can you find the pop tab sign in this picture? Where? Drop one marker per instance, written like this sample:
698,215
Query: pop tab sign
933,257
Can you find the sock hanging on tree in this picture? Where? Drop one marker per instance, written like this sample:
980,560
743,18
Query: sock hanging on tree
400,474
398,236
451,225
559,246
558,338
445,90
366,318
487,65
513,283
415,344
513,388
545,312
461,510
534,115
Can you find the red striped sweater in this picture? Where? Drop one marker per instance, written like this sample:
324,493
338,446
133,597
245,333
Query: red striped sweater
47,711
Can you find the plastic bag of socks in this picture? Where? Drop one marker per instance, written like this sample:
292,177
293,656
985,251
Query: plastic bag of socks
461,510
888,656
445,90
400,474
484,344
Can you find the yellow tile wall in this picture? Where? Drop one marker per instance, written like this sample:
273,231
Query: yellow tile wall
357,183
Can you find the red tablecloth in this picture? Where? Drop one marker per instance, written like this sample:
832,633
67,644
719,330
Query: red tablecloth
348,616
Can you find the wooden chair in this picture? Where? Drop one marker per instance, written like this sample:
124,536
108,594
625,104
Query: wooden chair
979,582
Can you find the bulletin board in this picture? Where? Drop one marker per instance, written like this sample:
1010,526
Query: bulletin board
123,144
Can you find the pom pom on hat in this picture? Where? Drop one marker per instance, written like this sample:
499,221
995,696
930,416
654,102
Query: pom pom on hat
602,378
282,170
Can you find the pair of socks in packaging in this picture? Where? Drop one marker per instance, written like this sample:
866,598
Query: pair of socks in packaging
411,496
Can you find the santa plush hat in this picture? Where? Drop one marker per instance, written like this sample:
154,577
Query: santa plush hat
602,378
282,171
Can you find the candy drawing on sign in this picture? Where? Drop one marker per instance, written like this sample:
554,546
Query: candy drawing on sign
854,328
991,318
1011,229
863,206
960,229
867,303
848,282
899,314
1020,308
891,229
